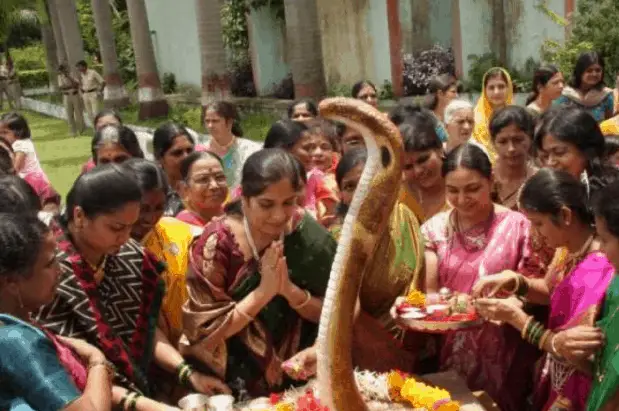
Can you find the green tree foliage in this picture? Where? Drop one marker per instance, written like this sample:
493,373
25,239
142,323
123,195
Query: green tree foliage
594,27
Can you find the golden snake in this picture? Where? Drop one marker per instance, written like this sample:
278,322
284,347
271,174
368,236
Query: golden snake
367,218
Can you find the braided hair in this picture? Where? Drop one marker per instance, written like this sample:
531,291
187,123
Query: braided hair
21,241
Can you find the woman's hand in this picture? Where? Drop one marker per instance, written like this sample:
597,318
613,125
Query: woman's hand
491,285
578,343
272,265
499,309
302,365
208,385
88,353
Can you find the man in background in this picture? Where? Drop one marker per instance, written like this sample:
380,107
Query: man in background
91,84
5,89
70,87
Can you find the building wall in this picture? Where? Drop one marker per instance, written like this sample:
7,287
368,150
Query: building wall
174,31
267,37
355,41
425,23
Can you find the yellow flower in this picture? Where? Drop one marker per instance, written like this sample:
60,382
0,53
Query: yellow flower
416,298
395,381
449,406
284,406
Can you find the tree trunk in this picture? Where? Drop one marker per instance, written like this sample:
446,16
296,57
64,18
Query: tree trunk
70,27
54,18
304,48
150,94
51,57
115,95
215,81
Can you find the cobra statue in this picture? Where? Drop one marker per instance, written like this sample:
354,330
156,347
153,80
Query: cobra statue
367,218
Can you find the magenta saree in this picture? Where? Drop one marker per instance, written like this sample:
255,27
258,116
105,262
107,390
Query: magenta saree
575,300
491,358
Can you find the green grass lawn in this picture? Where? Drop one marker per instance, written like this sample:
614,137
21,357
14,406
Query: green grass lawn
62,155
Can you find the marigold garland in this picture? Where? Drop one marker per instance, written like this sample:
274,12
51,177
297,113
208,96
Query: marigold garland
416,299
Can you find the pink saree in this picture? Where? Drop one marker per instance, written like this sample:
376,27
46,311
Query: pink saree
575,300
491,358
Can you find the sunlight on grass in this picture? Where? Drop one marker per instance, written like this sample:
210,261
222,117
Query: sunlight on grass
62,155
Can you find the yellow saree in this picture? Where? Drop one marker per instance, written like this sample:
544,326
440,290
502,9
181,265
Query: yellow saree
610,127
483,112
169,241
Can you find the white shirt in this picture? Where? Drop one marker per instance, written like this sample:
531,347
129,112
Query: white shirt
31,161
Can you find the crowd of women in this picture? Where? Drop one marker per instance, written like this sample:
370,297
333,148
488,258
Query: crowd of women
204,270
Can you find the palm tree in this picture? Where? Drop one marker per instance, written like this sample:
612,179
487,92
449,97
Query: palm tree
150,94
70,28
47,37
115,94
304,48
215,82
61,50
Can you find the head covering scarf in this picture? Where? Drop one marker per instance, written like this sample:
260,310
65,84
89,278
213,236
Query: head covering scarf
484,110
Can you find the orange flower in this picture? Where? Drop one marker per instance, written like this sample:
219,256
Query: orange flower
416,299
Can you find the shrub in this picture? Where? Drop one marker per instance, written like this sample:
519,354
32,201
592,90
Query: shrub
29,79
419,68
285,89
169,83
242,79
29,58
522,79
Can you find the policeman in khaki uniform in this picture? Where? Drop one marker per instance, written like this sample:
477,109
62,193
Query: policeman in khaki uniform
5,84
69,86
91,84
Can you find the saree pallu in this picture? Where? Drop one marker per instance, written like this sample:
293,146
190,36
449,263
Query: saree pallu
37,372
598,102
169,241
483,112
574,301
610,127
219,277
604,394
118,315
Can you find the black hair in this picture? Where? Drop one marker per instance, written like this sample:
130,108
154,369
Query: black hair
149,175
102,190
356,88
494,73
350,160
606,206
107,112
17,124
419,133
228,112
438,83
468,156
6,162
17,196
81,63
284,134
549,190
612,145
21,241
310,105
266,167
405,111
164,136
506,116
541,77
585,60
114,134
195,156
574,126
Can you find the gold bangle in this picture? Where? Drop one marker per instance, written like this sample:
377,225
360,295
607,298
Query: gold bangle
542,340
304,303
109,367
517,286
555,352
526,325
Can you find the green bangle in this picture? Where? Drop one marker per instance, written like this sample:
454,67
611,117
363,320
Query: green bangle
535,337
184,371
133,403
530,326
533,330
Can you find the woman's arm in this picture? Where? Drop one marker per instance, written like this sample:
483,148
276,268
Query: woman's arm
97,395
431,274
303,302
247,309
142,403
19,161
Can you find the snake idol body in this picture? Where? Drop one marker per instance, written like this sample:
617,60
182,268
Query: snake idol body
366,220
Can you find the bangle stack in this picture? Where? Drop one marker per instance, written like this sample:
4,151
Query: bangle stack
129,401
534,332
522,286
109,367
184,371
308,298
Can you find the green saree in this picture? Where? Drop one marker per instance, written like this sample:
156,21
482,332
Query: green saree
251,359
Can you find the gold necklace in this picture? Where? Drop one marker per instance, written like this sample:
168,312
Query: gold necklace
223,149
565,267
98,270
